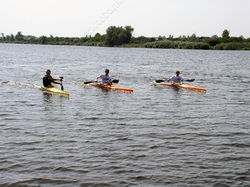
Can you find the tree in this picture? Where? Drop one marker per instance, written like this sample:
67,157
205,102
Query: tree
97,37
19,36
160,38
112,36
56,39
193,38
128,30
225,34
118,35
3,37
12,38
183,38
43,39
215,37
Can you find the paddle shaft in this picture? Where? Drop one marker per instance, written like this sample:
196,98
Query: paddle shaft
113,81
163,80
61,83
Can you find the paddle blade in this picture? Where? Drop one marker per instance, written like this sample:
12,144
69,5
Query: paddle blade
115,81
157,81
189,80
87,82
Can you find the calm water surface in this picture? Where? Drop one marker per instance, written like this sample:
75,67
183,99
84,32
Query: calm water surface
156,136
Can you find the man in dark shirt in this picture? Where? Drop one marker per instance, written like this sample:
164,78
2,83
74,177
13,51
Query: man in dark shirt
47,80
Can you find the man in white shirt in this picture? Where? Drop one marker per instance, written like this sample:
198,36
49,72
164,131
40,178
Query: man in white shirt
106,78
176,78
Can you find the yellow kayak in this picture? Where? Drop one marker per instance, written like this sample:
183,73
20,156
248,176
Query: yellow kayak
52,90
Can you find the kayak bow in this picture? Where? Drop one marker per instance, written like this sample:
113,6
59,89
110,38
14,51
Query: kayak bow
105,86
52,90
183,86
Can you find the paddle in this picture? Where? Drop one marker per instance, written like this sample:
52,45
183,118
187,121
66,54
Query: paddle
113,81
61,83
189,80
163,80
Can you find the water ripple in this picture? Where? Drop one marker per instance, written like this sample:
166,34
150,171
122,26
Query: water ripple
157,136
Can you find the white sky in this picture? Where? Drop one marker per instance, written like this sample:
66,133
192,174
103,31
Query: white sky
151,18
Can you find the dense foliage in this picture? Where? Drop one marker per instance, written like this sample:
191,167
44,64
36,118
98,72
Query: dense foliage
116,36
122,37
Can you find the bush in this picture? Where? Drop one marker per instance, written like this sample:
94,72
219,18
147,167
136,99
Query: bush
230,46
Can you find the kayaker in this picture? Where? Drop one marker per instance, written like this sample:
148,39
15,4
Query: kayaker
176,78
106,78
47,80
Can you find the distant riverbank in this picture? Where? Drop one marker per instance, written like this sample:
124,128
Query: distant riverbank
122,37
163,44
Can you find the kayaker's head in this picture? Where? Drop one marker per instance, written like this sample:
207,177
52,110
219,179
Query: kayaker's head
48,72
107,71
177,73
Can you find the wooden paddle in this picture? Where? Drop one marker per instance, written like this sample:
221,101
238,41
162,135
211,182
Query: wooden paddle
113,81
163,80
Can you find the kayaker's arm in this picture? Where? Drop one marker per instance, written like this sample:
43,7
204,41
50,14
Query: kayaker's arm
108,80
54,80
57,82
96,79
171,79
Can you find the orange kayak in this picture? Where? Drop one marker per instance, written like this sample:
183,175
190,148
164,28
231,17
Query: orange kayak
183,86
105,86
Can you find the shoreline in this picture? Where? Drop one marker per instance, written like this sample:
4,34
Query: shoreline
163,44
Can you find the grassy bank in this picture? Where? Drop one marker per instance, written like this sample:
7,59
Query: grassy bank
190,45
156,44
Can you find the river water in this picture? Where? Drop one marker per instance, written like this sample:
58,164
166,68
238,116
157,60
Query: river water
156,136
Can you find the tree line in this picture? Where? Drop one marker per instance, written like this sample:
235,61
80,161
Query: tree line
122,37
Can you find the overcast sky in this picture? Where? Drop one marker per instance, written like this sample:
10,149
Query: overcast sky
151,18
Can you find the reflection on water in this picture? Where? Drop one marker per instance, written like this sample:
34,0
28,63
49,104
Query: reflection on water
177,92
47,96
